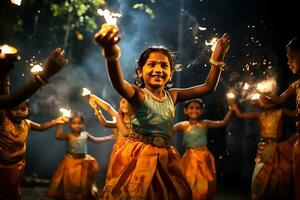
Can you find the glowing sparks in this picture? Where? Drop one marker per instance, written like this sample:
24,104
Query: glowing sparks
110,18
246,86
212,43
266,86
202,28
65,112
85,92
230,95
6,49
16,2
255,96
36,69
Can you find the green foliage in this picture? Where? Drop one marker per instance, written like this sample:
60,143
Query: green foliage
145,8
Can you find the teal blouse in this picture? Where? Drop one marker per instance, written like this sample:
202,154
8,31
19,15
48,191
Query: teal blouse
154,117
195,137
77,145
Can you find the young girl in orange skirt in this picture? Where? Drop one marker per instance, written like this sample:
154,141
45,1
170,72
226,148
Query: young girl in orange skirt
293,55
121,126
14,129
74,178
147,167
272,175
198,163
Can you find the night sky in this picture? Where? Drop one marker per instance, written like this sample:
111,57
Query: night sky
259,31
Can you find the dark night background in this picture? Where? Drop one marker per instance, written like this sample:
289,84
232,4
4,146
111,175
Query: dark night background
259,31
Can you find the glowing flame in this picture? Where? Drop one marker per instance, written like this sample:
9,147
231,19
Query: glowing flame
110,18
266,86
85,92
230,95
212,43
255,96
246,86
6,49
16,2
65,112
202,28
36,69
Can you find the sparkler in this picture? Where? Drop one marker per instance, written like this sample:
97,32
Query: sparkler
230,95
110,18
16,2
212,43
85,92
6,49
36,69
246,86
266,86
255,96
65,112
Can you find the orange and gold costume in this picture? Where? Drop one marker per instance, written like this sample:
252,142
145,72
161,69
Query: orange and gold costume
74,178
295,88
273,174
13,139
146,167
198,163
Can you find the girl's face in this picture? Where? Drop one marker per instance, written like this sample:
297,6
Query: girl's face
156,72
76,124
193,111
20,112
124,106
293,60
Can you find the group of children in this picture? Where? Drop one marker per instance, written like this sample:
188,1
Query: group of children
143,164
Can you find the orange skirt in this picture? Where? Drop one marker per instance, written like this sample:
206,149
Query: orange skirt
296,164
10,180
199,169
117,146
273,173
74,179
142,171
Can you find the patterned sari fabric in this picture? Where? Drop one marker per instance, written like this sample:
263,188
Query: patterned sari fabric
143,171
273,173
13,139
74,179
199,169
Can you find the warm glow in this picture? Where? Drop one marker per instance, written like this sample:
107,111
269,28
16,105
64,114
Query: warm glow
255,96
16,2
212,43
230,95
246,86
85,92
6,49
36,69
65,112
110,18
266,86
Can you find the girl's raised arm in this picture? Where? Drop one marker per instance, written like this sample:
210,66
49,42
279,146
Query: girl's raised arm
213,77
44,126
99,139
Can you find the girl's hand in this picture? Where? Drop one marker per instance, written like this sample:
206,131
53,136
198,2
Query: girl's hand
233,107
221,49
108,38
55,62
61,120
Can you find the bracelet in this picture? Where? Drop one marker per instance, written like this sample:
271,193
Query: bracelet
217,64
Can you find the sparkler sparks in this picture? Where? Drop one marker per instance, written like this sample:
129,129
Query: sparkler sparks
212,43
36,69
65,112
246,86
230,95
16,2
110,18
255,96
6,49
266,86
85,92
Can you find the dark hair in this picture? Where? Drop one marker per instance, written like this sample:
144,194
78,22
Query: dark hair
77,114
144,57
199,101
9,114
294,44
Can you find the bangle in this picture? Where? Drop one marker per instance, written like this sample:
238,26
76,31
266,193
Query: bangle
217,64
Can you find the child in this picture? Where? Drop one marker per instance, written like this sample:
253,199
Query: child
121,127
293,55
147,167
15,127
55,62
272,176
74,178
198,163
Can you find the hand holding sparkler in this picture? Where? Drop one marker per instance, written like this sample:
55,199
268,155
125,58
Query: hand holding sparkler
61,120
220,51
65,112
55,62
230,98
